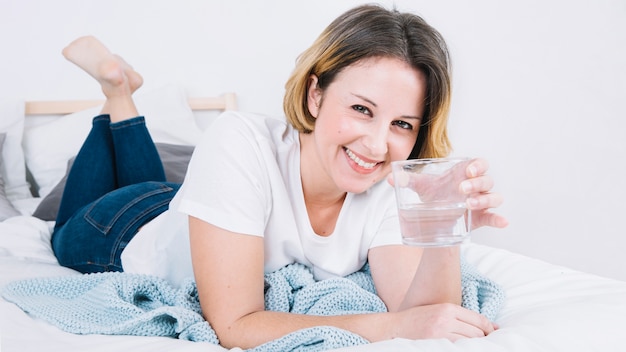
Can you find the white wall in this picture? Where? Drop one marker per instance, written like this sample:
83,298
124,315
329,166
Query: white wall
540,90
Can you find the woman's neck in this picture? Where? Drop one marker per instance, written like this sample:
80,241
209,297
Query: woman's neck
322,198
317,185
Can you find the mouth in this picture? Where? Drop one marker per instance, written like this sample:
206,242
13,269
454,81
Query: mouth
360,162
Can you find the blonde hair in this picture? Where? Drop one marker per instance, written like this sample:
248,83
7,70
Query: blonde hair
370,31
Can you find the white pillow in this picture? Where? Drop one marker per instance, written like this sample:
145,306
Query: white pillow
14,169
48,147
6,208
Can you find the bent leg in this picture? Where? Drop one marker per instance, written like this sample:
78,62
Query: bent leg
113,155
93,239
93,172
95,169
136,157
118,152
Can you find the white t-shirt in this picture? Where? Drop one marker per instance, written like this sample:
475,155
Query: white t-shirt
244,177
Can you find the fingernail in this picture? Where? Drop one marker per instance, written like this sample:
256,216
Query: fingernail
466,186
402,179
472,171
473,203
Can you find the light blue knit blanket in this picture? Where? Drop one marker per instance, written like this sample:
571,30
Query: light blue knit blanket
130,304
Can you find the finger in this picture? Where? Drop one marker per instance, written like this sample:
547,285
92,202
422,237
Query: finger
477,184
423,183
453,336
477,167
466,330
475,322
390,179
484,201
486,218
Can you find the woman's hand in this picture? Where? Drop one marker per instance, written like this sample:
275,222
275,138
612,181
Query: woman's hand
480,200
446,320
477,185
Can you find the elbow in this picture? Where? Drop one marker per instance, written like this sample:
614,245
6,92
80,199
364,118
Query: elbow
227,337
237,333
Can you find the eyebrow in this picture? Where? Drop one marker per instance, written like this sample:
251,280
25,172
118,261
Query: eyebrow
366,99
411,117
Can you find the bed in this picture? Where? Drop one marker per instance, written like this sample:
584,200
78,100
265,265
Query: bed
547,307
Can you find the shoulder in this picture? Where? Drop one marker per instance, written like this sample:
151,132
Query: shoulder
243,130
247,121
238,141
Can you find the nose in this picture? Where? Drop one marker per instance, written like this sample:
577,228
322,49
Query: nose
376,140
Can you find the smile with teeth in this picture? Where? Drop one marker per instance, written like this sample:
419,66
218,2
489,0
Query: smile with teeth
358,160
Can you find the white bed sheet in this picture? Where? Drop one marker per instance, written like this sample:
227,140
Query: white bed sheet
548,307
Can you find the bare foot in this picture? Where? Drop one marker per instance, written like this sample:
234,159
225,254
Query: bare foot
114,74
134,79
117,78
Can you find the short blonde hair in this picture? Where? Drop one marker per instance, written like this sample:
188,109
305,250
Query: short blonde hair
370,31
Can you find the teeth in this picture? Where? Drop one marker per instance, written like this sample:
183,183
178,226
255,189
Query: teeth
357,160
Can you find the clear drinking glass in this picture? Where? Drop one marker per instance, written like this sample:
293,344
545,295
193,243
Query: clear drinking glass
431,205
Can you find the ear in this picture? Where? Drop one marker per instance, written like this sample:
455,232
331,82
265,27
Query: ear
314,96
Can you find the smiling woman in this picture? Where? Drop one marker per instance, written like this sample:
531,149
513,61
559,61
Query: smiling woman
369,116
516,82
262,193
407,38
373,88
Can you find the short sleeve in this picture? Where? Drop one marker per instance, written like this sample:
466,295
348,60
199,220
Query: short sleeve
388,232
226,183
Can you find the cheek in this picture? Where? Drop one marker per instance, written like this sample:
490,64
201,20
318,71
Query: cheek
334,125
345,126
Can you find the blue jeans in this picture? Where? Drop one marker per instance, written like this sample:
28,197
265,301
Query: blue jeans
116,185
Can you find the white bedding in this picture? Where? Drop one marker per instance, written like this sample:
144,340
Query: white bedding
548,308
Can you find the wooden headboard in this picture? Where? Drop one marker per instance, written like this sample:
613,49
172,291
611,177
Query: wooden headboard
227,101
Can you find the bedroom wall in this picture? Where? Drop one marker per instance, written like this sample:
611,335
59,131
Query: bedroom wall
539,90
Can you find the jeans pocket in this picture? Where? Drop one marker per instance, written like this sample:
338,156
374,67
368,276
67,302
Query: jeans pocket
129,207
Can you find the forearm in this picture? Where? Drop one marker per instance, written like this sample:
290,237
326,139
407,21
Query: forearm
437,279
260,327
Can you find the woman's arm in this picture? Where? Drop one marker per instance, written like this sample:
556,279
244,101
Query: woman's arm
408,276
228,268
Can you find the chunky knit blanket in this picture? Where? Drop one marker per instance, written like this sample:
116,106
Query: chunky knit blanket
130,304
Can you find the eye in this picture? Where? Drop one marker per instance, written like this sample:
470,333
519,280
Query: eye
403,124
362,109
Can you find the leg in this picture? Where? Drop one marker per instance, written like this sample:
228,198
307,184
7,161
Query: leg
93,172
93,239
106,198
113,155
116,155
136,157
98,216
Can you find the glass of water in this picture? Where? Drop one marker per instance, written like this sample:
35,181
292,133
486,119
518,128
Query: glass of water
431,205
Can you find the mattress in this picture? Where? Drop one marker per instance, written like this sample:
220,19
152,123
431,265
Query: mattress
547,307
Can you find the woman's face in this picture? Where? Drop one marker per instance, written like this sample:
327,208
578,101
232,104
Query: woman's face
366,118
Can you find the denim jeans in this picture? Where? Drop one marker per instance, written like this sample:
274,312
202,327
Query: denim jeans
116,185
